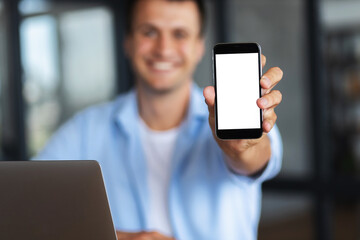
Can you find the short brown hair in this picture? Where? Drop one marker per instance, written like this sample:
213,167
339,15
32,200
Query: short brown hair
130,6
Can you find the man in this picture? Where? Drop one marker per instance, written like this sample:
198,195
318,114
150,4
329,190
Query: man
166,174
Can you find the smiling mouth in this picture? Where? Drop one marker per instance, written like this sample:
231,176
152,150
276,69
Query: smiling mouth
163,66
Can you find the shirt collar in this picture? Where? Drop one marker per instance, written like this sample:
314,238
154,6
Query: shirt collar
197,107
127,114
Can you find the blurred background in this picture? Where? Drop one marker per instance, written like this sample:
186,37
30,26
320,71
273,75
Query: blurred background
59,56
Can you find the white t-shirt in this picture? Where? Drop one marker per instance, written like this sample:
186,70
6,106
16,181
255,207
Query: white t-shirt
158,148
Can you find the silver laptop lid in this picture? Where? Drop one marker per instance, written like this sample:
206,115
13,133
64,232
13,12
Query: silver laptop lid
54,200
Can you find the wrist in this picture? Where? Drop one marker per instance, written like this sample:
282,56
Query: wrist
251,159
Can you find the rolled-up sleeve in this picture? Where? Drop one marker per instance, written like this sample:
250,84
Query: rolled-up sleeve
274,164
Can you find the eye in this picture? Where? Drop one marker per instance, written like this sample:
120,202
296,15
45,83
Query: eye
180,34
149,32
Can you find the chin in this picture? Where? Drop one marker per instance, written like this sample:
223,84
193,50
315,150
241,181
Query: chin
161,85
162,88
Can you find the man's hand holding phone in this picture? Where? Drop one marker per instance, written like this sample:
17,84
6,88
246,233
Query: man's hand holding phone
249,156
141,236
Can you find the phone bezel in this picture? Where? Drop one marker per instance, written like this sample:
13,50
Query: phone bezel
228,48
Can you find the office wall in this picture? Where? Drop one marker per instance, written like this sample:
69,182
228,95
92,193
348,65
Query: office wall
2,67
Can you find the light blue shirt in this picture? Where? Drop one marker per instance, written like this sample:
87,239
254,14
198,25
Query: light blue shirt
205,199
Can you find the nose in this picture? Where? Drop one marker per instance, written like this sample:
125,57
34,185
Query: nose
165,46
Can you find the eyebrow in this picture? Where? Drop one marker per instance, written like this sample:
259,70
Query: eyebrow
152,25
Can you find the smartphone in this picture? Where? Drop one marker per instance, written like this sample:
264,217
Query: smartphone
237,72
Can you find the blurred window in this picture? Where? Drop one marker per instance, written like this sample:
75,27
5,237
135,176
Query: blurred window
33,7
41,78
88,58
68,61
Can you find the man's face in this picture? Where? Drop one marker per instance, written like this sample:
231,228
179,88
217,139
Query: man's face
164,45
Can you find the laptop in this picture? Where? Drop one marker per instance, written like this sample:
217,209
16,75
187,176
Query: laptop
54,200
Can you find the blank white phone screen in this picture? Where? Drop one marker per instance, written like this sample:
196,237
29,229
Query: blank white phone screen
237,87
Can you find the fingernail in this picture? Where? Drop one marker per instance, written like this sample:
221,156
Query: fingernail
264,102
266,80
267,126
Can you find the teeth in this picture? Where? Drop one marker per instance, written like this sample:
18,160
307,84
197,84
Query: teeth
162,66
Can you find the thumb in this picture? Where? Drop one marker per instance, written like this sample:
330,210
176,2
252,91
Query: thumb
209,94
